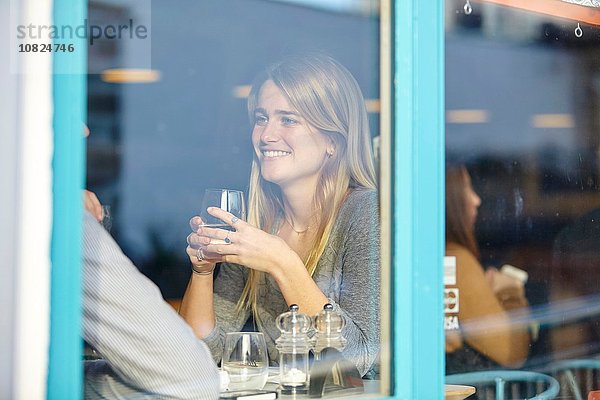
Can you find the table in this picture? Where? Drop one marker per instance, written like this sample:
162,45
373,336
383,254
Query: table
457,392
451,392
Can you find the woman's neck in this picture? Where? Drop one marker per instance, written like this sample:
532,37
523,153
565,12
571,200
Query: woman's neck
299,209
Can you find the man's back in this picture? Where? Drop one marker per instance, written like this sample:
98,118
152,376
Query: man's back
150,350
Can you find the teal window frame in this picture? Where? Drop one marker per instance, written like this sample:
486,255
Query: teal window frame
69,94
418,200
417,204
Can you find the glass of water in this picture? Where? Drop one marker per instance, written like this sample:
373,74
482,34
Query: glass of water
246,361
229,200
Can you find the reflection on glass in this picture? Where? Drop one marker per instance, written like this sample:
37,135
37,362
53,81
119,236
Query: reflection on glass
522,97
158,144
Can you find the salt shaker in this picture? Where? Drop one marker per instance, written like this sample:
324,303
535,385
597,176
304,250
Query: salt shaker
294,346
329,325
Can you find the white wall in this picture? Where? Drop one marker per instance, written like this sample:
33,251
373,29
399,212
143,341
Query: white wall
8,188
26,208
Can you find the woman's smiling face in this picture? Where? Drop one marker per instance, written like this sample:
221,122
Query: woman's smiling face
290,151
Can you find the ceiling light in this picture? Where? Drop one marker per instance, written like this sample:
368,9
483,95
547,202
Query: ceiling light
552,121
467,116
130,75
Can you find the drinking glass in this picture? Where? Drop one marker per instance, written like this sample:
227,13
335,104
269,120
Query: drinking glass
246,361
229,200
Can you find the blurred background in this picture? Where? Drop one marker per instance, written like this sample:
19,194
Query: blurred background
522,102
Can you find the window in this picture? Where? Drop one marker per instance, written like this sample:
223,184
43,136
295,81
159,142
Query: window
521,95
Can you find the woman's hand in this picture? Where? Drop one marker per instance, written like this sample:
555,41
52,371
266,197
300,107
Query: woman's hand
247,245
499,281
200,259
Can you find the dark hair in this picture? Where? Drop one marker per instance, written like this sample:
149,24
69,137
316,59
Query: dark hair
459,229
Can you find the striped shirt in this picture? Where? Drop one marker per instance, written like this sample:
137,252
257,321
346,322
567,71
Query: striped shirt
150,351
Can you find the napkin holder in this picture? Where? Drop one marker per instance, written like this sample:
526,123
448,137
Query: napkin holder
333,373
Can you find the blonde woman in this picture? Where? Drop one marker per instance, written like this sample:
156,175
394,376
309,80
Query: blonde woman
312,235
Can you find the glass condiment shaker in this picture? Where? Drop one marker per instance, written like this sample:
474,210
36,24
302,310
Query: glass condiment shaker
328,326
294,346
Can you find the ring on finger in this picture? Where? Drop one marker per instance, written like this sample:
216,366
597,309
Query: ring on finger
199,255
227,240
234,220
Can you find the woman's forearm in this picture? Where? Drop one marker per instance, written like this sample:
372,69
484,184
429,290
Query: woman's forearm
298,287
503,340
486,324
511,348
197,305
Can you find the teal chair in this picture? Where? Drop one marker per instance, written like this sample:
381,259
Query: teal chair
576,377
504,384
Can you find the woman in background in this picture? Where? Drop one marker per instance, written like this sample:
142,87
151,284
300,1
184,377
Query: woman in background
312,235
488,338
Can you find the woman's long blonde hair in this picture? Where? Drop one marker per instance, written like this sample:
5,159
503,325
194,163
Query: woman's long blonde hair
328,97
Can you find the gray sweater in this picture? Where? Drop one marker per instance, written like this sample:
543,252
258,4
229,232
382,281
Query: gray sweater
348,273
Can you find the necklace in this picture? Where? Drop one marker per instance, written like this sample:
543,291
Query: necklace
292,226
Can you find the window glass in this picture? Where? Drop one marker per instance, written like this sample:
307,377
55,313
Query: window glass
522,195
158,142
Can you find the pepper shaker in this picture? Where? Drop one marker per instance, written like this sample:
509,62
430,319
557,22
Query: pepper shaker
329,325
294,346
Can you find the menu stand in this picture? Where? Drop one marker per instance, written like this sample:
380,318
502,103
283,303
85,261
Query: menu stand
332,372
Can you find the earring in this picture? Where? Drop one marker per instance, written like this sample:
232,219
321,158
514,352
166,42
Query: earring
329,153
